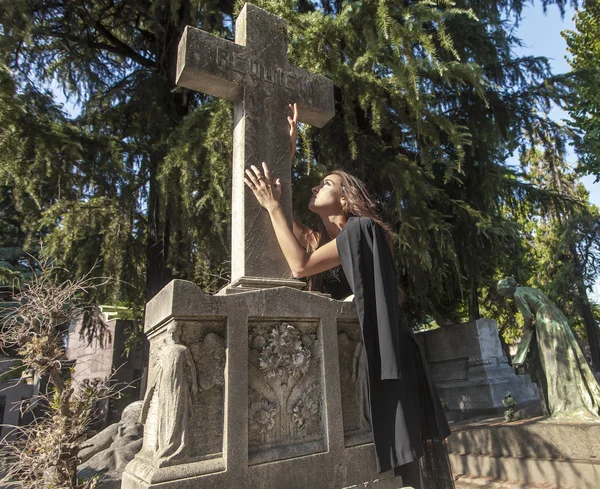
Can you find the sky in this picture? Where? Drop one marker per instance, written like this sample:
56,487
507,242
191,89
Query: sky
540,33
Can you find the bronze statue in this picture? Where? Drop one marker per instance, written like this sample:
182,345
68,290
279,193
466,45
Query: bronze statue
566,382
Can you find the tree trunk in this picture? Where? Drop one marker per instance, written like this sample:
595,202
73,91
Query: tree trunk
474,313
590,325
157,272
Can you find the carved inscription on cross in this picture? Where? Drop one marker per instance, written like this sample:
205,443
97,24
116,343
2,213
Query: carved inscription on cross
253,72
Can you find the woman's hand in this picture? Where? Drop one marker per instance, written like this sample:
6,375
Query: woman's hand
266,192
293,122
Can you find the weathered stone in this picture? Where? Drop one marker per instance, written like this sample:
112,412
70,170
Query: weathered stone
285,392
102,358
354,384
171,403
270,367
533,451
108,453
470,370
255,75
14,389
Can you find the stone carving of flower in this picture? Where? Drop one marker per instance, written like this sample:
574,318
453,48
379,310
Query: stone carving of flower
262,415
281,352
306,410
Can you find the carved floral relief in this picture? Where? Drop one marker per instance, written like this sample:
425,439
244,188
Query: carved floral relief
285,386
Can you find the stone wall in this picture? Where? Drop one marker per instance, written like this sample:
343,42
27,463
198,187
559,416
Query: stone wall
13,390
99,359
270,393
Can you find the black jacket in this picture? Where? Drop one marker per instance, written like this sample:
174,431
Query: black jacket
406,412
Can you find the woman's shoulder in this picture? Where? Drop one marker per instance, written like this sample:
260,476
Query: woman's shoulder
363,223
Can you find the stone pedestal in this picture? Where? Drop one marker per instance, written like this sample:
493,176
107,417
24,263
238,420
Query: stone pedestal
470,370
533,452
278,400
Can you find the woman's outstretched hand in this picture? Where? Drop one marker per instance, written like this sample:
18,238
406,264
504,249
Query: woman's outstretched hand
266,192
293,122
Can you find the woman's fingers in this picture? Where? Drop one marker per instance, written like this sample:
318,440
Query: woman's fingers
257,172
251,176
295,111
267,171
250,184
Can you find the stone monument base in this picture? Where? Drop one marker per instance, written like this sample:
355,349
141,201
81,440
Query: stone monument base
471,372
247,284
310,472
260,389
534,451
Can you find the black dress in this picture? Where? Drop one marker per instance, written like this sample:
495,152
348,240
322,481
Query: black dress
408,421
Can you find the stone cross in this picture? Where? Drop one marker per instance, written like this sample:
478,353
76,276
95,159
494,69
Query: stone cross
253,72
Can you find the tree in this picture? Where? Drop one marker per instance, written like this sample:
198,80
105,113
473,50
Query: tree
34,324
563,233
584,104
430,101
118,60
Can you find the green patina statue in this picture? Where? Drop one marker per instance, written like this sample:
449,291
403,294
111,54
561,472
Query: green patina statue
510,403
567,385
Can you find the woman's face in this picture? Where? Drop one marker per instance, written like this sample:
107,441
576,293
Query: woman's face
327,196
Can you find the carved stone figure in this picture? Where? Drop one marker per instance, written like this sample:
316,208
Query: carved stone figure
565,379
360,375
112,449
173,391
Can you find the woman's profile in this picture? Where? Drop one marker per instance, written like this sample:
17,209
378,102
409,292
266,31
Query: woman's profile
352,254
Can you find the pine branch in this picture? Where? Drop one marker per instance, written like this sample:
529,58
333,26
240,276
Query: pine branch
122,50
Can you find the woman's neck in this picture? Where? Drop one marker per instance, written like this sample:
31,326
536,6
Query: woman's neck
333,225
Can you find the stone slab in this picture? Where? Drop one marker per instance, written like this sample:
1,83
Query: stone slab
568,474
266,420
531,451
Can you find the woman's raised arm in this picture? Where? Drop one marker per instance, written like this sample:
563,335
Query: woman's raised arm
301,263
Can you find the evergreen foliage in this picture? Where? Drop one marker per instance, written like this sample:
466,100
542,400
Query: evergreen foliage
430,103
584,105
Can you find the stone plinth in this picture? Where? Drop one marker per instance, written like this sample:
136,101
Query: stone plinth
532,451
278,400
470,370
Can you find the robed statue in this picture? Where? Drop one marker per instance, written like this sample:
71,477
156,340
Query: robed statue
167,437
549,348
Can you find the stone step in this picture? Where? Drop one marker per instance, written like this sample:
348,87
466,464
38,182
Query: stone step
538,452
485,483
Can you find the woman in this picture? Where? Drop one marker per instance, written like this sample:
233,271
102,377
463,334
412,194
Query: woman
567,384
407,419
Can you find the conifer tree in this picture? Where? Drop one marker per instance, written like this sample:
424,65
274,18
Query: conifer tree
565,238
584,104
430,101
